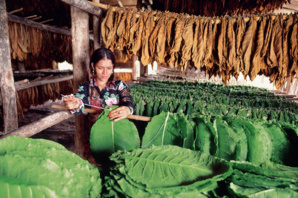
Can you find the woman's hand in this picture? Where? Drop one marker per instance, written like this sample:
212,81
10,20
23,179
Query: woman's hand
119,113
71,102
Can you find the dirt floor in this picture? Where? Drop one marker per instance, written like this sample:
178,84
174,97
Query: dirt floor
62,133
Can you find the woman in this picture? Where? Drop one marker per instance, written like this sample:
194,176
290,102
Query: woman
101,91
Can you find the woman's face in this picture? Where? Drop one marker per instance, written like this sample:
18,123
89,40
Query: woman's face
103,70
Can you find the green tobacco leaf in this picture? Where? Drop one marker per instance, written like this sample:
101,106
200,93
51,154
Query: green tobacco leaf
268,169
280,143
241,148
256,146
228,140
162,130
260,192
107,137
15,189
205,136
169,166
42,168
187,128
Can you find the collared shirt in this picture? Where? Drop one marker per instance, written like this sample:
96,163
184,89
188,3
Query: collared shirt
115,93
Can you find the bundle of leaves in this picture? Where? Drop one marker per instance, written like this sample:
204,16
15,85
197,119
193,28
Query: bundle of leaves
225,137
266,180
107,137
43,168
165,171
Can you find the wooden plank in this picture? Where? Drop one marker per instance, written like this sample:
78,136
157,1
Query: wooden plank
40,125
96,28
16,19
43,82
8,92
15,11
294,99
81,60
46,21
21,82
134,68
84,6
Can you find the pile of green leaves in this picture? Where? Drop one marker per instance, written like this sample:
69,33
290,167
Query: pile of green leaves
265,180
171,171
42,168
164,171
210,99
225,137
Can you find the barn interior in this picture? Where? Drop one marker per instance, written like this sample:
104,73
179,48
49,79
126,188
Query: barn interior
233,61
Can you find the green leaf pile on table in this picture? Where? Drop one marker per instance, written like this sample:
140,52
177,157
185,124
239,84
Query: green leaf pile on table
209,99
172,171
239,139
41,168
165,171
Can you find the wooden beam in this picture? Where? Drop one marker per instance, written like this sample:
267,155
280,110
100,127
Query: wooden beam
40,125
46,21
36,18
81,60
21,82
96,28
8,93
43,82
15,11
120,3
100,5
136,67
30,17
84,6
21,67
16,19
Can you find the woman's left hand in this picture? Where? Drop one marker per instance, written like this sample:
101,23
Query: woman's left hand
119,113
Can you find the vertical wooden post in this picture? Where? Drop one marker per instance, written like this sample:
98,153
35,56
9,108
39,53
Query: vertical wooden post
21,67
54,65
81,59
96,28
288,80
8,93
136,68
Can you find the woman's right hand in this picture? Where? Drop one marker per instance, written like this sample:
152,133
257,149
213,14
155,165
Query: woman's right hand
71,102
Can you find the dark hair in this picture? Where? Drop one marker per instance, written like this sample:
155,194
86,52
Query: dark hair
101,54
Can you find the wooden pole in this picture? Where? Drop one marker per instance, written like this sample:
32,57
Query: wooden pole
16,19
40,125
43,82
81,60
96,28
85,6
136,67
132,117
15,11
8,91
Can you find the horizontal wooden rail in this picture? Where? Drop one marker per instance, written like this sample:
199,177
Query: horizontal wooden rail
43,82
132,117
40,125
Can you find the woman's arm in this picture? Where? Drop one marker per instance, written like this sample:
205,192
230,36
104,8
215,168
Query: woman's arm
76,103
